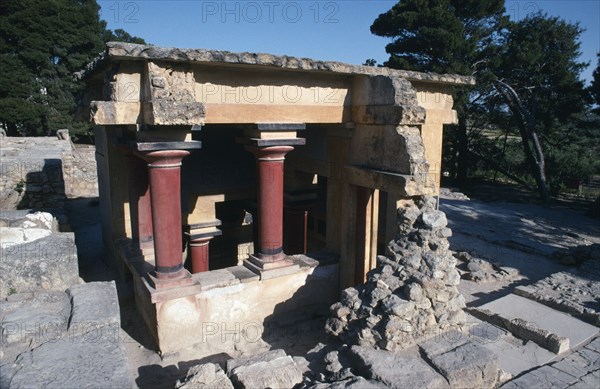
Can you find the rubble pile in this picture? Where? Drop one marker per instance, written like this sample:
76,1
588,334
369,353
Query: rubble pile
412,294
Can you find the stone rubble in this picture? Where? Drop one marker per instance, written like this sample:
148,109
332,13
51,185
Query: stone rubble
207,376
411,294
480,270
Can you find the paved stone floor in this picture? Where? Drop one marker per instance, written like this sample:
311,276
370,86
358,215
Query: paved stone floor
580,369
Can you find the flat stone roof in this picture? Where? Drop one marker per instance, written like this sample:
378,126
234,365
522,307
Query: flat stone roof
131,51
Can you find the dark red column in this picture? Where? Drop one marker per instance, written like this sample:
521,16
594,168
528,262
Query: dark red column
199,253
164,173
199,239
140,207
270,203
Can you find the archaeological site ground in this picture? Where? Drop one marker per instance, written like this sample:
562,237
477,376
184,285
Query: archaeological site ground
258,221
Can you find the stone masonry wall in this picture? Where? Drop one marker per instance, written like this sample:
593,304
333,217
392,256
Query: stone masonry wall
41,172
412,294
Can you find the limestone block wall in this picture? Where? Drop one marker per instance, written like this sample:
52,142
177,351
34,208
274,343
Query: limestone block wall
42,172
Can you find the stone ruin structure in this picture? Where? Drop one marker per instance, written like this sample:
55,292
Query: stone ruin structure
290,170
412,295
43,172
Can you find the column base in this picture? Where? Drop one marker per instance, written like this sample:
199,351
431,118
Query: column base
182,278
271,269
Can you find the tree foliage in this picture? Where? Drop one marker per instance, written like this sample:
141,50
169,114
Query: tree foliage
528,86
443,36
42,43
594,89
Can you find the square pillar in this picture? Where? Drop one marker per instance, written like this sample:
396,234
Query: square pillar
164,174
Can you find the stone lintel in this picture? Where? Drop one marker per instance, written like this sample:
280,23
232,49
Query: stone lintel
166,145
107,113
209,232
279,127
401,184
205,224
389,114
167,112
274,142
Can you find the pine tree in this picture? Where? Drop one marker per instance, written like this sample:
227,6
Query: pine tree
42,43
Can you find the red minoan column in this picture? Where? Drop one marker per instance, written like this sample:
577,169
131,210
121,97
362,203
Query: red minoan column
199,242
199,251
270,203
164,174
140,207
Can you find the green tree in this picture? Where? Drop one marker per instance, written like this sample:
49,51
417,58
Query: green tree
528,78
444,36
538,78
594,89
42,43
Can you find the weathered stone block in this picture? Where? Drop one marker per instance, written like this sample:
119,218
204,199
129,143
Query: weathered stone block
95,305
49,263
468,365
206,376
273,369
395,370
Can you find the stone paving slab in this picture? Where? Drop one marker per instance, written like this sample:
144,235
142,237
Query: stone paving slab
546,377
514,356
82,361
515,307
580,369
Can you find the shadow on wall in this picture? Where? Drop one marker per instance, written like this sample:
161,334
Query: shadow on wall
43,188
309,306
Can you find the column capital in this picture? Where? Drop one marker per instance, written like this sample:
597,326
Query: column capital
269,153
164,153
162,158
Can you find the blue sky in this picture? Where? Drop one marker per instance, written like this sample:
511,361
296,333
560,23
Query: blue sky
326,30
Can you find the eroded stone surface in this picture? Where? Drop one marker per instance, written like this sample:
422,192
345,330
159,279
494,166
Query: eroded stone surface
467,365
95,305
206,376
273,369
72,362
48,263
34,317
48,355
395,370
130,50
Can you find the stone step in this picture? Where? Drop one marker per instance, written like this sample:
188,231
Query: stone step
529,320
514,356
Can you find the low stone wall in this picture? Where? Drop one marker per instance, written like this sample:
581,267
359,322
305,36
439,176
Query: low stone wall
80,172
34,255
42,172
